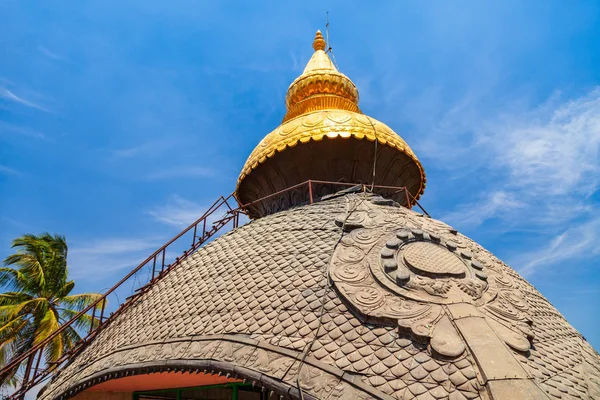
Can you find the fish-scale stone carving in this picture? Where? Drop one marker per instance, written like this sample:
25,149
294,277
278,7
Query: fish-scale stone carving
319,280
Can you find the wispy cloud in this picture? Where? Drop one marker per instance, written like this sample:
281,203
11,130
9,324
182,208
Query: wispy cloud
149,148
572,243
10,96
181,172
50,54
493,205
559,154
8,171
114,245
546,168
9,128
178,212
86,260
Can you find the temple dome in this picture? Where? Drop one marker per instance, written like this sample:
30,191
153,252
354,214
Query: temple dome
347,298
325,136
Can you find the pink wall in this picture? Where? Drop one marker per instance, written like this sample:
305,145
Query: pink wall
162,380
103,396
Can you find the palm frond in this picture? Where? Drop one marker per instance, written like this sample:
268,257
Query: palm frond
31,269
12,310
56,263
19,345
79,301
65,289
10,378
36,276
42,260
70,337
58,242
10,331
47,326
9,298
11,278
82,323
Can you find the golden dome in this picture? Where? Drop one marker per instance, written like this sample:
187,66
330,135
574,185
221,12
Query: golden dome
321,86
323,103
317,125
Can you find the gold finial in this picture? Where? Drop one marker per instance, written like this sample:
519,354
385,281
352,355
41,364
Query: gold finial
319,42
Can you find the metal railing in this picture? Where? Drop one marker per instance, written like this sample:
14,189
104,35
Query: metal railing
202,230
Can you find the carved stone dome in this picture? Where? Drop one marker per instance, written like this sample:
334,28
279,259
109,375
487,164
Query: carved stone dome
349,298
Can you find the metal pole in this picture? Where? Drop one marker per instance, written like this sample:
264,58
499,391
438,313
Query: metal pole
28,370
102,312
37,364
93,316
153,267
310,192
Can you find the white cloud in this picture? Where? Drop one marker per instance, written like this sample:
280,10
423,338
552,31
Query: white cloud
8,95
566,246
19,130
113,245
8,171
149,148
552,159
536,170
178,212
495,204
50,54
559,154
108,255
181,172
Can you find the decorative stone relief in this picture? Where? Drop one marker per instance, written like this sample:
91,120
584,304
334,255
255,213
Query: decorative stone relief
232,352
344,391
424,267
317,382
276,365
402,268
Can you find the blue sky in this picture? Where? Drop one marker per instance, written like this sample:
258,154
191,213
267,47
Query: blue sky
120,122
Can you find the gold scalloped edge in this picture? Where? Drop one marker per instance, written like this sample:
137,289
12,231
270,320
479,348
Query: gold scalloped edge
260,156
337,83
320,102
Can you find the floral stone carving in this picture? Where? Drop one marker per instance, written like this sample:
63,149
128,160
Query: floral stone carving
403,269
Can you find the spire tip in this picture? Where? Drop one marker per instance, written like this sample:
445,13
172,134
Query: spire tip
319,42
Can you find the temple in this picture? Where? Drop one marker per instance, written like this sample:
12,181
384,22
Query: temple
336,289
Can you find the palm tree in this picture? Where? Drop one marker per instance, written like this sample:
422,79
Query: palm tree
38,301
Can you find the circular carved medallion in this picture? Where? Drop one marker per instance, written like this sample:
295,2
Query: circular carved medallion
423,266
431,258
369,296
349,273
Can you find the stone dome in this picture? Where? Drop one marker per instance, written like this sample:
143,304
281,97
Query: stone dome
353,297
